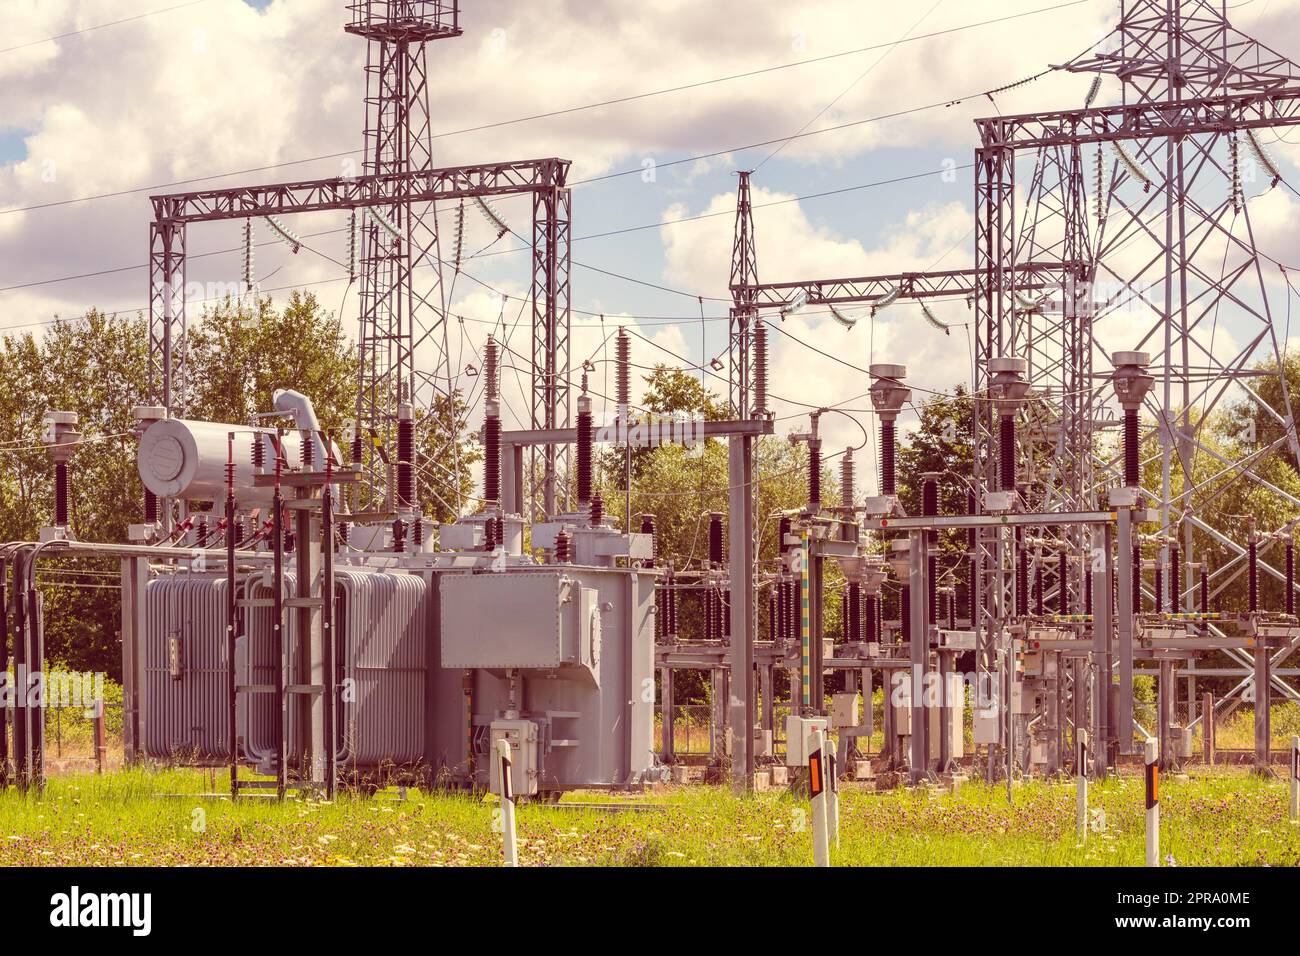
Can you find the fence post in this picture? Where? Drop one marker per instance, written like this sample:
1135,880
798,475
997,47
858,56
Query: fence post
817,788
1153,801
99,736
1295,779
507,802
1207,728
832,796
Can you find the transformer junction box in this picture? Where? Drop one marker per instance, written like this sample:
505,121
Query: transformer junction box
762,742
844,711
522,735
797,730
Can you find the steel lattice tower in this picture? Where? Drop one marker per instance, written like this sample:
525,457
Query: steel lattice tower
743,315
402,298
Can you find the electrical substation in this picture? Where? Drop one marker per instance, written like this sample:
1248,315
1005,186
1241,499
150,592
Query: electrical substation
289,614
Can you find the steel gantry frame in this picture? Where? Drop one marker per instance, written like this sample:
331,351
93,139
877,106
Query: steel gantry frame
397,196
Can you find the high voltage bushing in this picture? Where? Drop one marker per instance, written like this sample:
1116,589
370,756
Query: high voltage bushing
760,370
623,372
971,534
1136,575
406,454
1063,583
1175,580
343,527
585,434
1039,609
61,494
1087,589
490,392
61,439
489,535
1205,588
492,452
597,510
716,551
847,489
1159,587
562,555
399,535
648,527
930,501
1007,389
308,450
150,507
905,612
1022,576
201,533
258,451
417,532
1132,382
888,396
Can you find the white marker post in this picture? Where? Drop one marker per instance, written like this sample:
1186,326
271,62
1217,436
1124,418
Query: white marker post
1081,786
1295,779
507,795
832,797
817,787
1153,801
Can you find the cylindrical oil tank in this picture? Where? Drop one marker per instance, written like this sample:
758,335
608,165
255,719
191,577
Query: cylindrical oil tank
180,458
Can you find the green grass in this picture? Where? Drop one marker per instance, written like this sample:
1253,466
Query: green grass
127,819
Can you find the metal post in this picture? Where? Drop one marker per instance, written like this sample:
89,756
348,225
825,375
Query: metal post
1081,787
1153,801
832,797
1263,695
1295,779
741,651
919,655
1125,614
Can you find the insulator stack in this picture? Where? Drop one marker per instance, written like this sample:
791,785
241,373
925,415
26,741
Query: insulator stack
289,541
1205,589
773,622
259,451
623,372
724,613
344,527
710,614
853,630
1290,578
672,607
1022,578
888,485
1132,449
932,588
489,535
1175,580
417,532
150,507
356,449
905,612
562,554
1253,575
61,494
399,535
1087,590
952,611
308,450
1007,453
648,527
406,461
1039,608
500,524
848,492
490,387
716,550
1136,583
584,451
873,618
492,453
760,369
597,511
1159,587
201,533
1063,583
814,475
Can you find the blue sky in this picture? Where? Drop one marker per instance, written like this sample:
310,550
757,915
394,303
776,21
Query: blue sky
217,86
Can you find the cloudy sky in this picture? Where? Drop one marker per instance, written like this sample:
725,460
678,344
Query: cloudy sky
133,97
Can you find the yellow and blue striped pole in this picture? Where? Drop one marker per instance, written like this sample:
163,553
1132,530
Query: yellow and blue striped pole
805,624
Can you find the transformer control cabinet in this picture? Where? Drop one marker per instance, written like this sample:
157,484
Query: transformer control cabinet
522,735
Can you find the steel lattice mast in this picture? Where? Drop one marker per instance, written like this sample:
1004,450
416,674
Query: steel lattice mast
400,307
744,312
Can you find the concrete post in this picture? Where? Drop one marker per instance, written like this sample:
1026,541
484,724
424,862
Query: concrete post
507,804
817,783
1153,801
